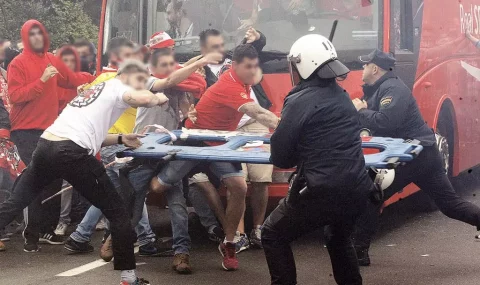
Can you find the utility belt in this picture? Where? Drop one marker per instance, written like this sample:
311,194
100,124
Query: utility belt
298,188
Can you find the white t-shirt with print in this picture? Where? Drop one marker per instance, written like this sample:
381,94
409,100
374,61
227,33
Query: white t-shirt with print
87,118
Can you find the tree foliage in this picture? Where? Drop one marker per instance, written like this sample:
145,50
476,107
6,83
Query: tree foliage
65,20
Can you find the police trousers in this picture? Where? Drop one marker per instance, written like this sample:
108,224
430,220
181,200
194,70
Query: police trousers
427,172
337,211
53,160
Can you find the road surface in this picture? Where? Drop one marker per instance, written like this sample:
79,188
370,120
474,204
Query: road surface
412,248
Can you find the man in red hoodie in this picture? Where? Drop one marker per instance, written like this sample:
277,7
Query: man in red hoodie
34,78
69,56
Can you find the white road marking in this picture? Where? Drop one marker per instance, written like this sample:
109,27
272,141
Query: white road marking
87,267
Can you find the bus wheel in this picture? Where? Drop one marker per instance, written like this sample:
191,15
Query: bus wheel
444,135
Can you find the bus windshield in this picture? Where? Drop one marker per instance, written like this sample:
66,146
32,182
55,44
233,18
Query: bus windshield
281,21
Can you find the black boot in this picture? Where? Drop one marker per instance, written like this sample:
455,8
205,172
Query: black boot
362,256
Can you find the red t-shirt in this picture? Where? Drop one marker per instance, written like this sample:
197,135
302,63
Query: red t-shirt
218,107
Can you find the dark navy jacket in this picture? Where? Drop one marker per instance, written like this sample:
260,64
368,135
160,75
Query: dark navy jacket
320,129
393,111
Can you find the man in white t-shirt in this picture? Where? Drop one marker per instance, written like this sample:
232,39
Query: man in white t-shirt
67,151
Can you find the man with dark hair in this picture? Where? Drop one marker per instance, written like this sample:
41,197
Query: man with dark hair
87,52
66,150
221,108
258,175
33,81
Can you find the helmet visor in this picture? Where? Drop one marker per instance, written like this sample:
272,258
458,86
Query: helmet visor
294,75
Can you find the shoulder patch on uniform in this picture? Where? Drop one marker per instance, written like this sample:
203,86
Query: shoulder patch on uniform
244,95
386,101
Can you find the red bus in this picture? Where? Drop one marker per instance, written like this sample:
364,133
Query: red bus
426,36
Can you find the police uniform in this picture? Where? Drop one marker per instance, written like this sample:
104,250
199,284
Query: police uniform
320,131
393,112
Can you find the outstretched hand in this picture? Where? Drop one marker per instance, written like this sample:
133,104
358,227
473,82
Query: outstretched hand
252,35
132,140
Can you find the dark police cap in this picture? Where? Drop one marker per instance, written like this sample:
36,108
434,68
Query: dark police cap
383,60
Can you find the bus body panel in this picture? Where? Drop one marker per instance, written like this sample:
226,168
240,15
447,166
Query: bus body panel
446,72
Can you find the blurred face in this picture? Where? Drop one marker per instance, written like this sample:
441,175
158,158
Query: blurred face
214,44
165,66
69,61
173,16
122,54
246,70
36,39
84,51
369,71
136,80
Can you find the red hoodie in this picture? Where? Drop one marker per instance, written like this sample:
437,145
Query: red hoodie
34,103
194,84
65,95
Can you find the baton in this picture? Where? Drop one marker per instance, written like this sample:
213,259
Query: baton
332,31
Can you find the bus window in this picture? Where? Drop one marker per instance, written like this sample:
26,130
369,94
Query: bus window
282,22
122,19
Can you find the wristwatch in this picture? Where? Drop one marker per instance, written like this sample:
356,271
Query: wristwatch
120,139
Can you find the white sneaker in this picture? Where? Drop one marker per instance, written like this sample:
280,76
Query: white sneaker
102,224
61,229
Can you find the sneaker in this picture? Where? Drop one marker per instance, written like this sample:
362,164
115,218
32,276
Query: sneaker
139,281
363,256
256,238
106,252
51,238
2,246
230,261
77,247
152,249
101,225
241,242
31,247
216,234
61,229
181,263
4,236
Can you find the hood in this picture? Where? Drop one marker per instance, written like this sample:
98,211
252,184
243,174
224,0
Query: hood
78,64
26,29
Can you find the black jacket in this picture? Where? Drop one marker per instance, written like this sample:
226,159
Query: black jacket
320,129
262,98
4,116
393,111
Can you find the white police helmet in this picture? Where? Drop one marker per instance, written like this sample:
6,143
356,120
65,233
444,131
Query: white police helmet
315,53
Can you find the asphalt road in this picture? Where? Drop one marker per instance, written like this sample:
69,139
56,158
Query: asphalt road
412,248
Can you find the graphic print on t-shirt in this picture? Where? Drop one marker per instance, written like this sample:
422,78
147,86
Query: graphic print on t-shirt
88,96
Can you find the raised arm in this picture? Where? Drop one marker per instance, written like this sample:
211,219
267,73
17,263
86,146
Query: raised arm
144,98
263,116
19,90
183,73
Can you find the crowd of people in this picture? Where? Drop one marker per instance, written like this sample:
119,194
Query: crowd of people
66,122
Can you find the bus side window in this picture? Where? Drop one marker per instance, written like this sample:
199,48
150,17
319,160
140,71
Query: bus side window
402,24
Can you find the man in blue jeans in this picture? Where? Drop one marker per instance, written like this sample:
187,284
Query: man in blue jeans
79,241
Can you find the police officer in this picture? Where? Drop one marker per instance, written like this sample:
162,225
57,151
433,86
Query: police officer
389,109
320,134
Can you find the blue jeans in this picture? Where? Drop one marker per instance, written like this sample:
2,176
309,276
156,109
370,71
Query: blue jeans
203,210
140,179
86,228
174,171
